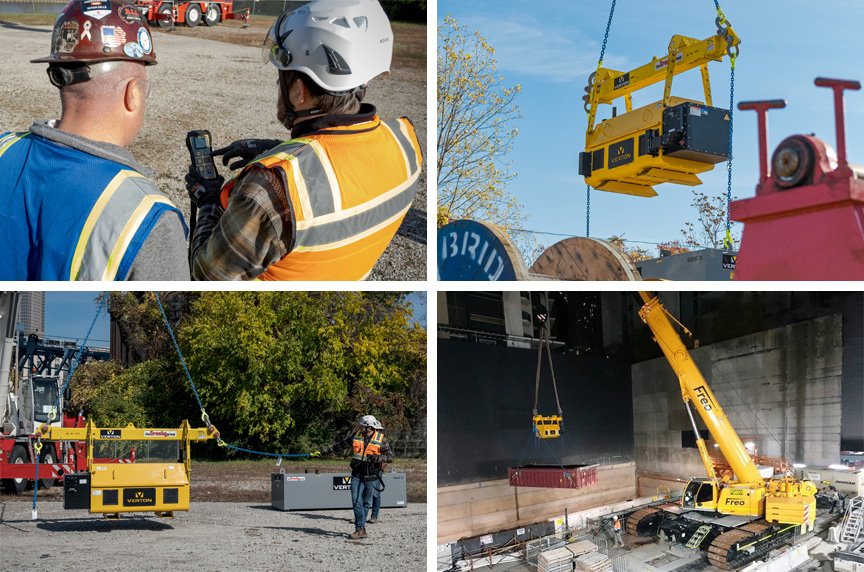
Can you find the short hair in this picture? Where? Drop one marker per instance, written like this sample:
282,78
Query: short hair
327,102
102,86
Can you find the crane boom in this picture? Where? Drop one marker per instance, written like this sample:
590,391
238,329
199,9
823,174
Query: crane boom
695,391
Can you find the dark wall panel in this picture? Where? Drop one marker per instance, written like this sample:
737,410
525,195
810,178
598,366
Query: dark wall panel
485,402
852,418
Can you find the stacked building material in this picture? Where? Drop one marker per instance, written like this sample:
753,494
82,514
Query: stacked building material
582,547
593,562
558,560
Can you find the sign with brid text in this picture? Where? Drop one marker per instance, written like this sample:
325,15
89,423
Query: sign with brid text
477,251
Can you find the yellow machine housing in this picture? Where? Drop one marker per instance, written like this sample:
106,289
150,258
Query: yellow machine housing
629,153
547,427
115,488
783,500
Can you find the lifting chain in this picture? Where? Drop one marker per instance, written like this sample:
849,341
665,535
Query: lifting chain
722,30
587,112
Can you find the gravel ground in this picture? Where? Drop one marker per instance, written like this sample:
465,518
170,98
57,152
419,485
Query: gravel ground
211,537
221,87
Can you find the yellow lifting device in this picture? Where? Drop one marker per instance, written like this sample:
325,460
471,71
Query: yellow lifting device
668,141
545,426
111,488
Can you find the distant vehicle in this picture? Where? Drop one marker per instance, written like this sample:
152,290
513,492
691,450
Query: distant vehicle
189,13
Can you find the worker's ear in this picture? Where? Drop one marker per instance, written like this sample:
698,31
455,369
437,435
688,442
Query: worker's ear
302,92
134,95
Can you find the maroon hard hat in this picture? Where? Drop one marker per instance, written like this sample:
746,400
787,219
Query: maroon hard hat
90,31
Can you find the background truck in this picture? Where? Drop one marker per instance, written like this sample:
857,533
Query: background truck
189,13
29,402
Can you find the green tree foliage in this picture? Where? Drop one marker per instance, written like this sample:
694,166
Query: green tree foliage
283,372
109,395
475,131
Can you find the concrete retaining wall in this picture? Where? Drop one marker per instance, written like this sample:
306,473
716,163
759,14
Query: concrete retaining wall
480,508
781,388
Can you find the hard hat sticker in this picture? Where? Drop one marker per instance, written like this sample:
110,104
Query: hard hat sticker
129,14
133,50
67,38
144,40
97,9
113,36
85,33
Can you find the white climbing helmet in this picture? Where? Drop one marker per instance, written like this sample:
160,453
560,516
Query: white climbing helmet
378,425
368,421
340,44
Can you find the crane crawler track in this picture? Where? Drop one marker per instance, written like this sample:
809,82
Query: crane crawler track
645,521
737,547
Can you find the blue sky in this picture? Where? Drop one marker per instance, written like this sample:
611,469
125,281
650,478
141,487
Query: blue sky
550,47
69,315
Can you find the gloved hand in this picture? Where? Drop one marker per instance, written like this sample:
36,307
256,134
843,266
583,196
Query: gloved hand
203,191
373,458
246,149
315,454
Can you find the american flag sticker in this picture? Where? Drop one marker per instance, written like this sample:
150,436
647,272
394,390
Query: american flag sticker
113,36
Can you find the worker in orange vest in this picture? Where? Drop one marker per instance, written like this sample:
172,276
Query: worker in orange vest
618,530
369,450
325,204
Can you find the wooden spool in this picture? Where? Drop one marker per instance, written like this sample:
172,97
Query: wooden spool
581,258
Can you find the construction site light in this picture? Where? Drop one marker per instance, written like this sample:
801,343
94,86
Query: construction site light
799,465
840,467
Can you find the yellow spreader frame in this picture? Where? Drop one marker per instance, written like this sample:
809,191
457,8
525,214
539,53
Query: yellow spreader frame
162,488
547,427
612,149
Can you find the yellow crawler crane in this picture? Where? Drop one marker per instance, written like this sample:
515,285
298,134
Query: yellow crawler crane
668,141
770,510
161,487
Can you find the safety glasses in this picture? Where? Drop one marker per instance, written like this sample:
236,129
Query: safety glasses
273,50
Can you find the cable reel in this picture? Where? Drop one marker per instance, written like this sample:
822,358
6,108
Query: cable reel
545,427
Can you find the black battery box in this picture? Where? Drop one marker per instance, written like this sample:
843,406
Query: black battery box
76,491
695,132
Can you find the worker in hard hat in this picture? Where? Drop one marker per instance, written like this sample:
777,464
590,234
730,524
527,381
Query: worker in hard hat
324,204
618,531
370,450
74,203
377,487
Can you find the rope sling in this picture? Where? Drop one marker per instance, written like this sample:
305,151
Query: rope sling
546,427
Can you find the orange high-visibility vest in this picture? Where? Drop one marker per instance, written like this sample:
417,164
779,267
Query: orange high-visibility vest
362,450
348,189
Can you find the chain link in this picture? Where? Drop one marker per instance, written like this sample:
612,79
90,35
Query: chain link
606,35
727,242
588,212
590,86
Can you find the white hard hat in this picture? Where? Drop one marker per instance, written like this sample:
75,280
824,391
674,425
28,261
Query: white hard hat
615,517
368,421
340,44
378,425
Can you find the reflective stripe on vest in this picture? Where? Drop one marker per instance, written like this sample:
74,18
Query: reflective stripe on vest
10,140
345,211
362,453
110,226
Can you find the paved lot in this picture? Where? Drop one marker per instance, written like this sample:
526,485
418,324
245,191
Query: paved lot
210,537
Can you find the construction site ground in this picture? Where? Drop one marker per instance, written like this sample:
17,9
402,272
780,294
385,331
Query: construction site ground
241,533
214,79
652,555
